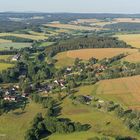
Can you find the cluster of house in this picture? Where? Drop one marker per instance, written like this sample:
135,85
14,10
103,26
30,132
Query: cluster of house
12,94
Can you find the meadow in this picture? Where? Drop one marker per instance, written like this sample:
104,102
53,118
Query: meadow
5,57
15,123
7,46
125,91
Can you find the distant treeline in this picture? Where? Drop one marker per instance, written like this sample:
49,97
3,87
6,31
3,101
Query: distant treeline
17,39
124,26
87,42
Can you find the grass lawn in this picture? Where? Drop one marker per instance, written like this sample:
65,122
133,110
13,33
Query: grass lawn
4,66
14,124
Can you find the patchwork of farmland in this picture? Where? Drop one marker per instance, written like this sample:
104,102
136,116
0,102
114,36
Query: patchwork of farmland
4,66
123,90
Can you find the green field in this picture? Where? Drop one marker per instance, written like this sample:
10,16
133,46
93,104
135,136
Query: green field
7,46
4,66
14,124
5,57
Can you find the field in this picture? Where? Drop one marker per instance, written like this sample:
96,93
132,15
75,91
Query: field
125,91
67,58
4,41
130,20
63,60
97,119
134,58
5,57
14,124
70,26
131,39
34,37
98,53
7,46
4,66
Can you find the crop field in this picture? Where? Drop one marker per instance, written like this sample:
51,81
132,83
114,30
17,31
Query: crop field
130,20
34,37
15,123
134,58
4,41
7,46
131,39
4,66
72,27
85,54
125,91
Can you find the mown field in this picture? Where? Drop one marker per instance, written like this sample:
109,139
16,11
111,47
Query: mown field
131,39
7,46
4,66
29,36
134,58
125,91
5,57
14,124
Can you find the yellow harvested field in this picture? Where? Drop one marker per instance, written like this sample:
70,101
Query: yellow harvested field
4,66
85,54
5,57
132,20
135,57
131,39
72,27
4,41
122,90
34,37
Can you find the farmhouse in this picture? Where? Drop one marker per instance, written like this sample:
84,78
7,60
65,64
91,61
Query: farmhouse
16,57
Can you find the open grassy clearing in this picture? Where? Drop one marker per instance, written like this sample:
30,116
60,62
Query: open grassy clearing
14,124
34,37
45,44
97,119
72,27
131,39
7,46
125,91
4,66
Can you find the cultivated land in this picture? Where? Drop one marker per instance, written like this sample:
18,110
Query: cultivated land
122,90
5,57
14,124
7,46
67,58
131,39
98,53
4,41
4,66
34,37
134,58
70,26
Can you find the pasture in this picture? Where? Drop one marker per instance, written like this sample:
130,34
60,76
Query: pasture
5,57
125,91
15,123
97,120
131,39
